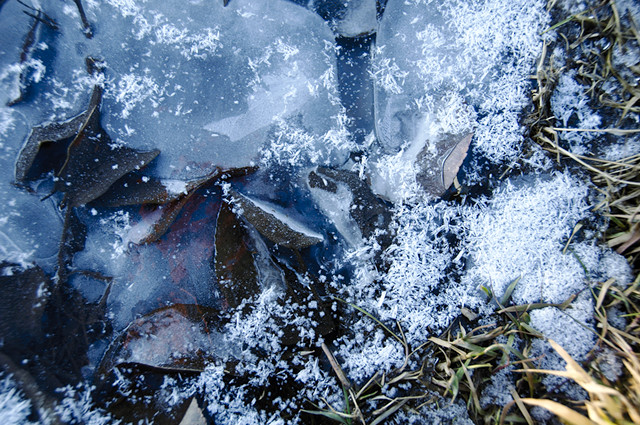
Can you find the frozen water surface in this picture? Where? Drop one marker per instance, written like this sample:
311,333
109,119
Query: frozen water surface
327,106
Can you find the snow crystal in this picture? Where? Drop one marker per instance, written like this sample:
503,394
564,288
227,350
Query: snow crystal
367,354
609,364
616,318
14,409
419,290
256,82
77,406
571,105
133,89
175,187
498,392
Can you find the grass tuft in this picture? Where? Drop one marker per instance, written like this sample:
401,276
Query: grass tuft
592,39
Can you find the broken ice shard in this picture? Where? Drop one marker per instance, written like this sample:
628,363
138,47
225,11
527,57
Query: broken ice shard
274,223
349,202
422,116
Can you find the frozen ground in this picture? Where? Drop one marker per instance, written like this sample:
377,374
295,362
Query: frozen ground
321,211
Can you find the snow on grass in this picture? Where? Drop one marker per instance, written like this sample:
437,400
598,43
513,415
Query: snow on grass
439,413
368,351
520,234
474,56
572,328
571,105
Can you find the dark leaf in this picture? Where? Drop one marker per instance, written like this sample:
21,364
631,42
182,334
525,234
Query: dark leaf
438,171
171,196
136,189
134,393
72,325
157,219
94,163
275,225
51,323
234,262
319,182
82,155
179,337
94,66
24,294
74,234
46,147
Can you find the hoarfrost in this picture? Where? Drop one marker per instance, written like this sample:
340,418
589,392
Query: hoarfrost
255,83
369,353
482,49
14,409
521,233
571,329
439,413
78,406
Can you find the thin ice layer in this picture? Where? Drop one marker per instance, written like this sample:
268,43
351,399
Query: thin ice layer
196,75
483,50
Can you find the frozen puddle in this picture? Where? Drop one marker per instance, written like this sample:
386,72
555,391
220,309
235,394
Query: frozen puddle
223,183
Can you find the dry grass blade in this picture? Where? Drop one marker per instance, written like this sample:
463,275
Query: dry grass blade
521,406
562,411
389,412
336,367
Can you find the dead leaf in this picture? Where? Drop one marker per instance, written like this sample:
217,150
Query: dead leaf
74,234
234,263
138,189
94,163
454,160
46,147
180,337
87,165
438,171
24,298
156,219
